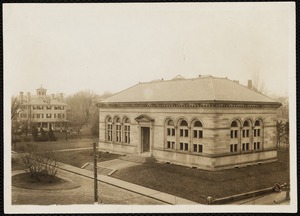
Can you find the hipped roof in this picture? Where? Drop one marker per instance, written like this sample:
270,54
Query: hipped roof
183,90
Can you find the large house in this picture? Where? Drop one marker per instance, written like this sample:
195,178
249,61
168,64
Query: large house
207,122
43,110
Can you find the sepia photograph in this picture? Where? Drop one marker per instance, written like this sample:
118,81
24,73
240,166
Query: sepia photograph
149,107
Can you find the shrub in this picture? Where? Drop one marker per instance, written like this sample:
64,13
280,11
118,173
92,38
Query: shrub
26,139
51,135
40,165
41,138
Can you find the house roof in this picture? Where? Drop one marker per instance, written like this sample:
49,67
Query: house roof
41,101
197,89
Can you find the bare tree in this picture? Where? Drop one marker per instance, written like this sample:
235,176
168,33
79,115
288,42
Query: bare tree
81,105
15,107
258,82
95,111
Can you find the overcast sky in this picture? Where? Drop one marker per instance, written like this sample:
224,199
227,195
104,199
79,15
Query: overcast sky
110,47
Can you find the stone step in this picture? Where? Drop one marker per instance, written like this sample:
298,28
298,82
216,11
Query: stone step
137,159
100,170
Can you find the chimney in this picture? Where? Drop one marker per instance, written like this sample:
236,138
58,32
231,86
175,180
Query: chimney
249,84
21,97
28,97
61,96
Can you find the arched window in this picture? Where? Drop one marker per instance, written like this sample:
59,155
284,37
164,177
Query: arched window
257,135
127,130
170,134
183,136
109,129
197,137
234,136
118,132
246,135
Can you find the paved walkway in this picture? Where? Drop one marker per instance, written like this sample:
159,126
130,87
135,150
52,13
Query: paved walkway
164,197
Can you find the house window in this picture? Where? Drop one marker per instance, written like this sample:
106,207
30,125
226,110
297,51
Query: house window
233,148
118,134
127,131
198,148
48,107
48,115
109,129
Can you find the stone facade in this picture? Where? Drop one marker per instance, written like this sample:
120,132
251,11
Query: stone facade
216,139
206,122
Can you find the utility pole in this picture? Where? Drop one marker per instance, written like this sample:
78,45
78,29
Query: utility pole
95,176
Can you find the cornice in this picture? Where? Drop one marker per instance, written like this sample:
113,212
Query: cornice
213,104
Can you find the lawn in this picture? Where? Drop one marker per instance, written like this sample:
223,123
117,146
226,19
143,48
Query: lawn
193,184
30,146
79,158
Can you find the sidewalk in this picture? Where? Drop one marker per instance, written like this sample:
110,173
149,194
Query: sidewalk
164,197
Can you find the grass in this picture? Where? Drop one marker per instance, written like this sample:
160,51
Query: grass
23,180
194,184
79,158
56,145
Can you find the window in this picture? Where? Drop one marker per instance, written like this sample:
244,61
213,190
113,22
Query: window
184,146
54,115
48,115
170,145
37,115
118,130
245,147
256,146
246,129
170,134
127,131
257,128
234,130
183,135
198,148
233,147
198,132
184,132
109,129
48,107
245,132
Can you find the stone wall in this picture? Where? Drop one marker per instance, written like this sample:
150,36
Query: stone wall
216,140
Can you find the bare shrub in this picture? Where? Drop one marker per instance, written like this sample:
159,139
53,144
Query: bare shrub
40,165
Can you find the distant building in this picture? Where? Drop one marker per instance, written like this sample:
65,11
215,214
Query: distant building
207,122
43,110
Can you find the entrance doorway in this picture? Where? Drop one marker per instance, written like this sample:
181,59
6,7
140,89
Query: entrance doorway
145,136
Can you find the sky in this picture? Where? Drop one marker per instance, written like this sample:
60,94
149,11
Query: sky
110,47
